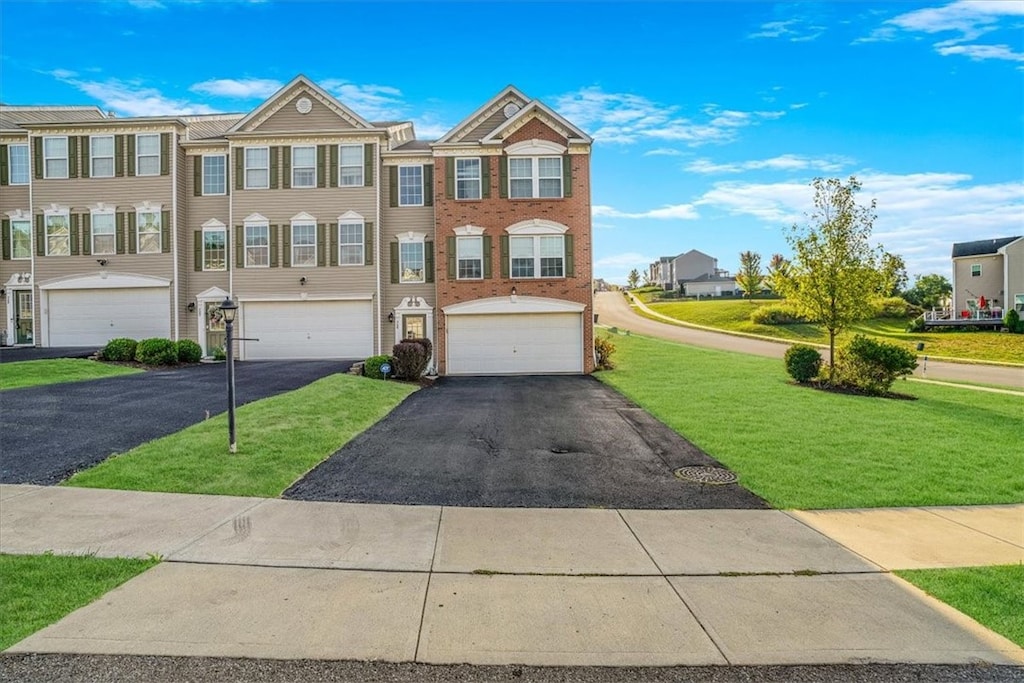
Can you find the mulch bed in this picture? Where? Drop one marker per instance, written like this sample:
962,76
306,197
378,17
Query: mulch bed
822,385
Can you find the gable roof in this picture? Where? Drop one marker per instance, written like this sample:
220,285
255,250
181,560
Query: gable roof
472,121
533,107
982,247
340,109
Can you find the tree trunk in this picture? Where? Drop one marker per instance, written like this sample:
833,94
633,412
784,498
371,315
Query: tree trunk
831,356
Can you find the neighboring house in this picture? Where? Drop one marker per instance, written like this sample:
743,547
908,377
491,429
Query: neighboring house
992,268
329,230
692,265
662,272
709,284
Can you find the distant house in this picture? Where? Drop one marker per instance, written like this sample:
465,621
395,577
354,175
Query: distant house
709,284
993,269
692,265
662,273
693,268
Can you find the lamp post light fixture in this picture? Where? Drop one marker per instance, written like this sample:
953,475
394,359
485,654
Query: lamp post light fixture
230,309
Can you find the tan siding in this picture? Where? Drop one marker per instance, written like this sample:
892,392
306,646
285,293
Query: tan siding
320,118
183,243
1015,269
12,197
989,284
79,193
394,221
490,123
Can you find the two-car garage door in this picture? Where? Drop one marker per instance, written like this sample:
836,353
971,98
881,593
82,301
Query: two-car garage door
307,329
515,343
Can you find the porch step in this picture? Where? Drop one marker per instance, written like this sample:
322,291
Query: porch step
356,369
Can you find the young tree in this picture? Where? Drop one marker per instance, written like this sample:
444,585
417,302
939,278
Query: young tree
928,290
778,268
749,278
835,270
633,278
894,274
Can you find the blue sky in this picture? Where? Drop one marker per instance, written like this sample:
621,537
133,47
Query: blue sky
709,119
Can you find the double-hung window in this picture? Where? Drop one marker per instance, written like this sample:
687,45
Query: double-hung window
411,262
103,228
304,166
351,165
257,168
303,244
21,239
350,243
55,157
410,186
535,177
58,234
147,154
101,156
470,257
215,248
17,159
467,178
215,174
976,270
148,231
257,245
537,256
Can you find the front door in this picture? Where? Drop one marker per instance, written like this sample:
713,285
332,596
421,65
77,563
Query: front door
23,316
215,335
414,327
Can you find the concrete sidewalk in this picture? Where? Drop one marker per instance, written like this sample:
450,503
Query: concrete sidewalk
246,577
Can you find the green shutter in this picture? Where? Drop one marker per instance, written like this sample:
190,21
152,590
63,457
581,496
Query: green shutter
5,172
133,235
570,257
393,182
240,246
131,155
119,156
428,185
5,226
227,174
165,153
368,165
287,246
165,232
485,177
449,178
197,176
197,249
504,256
503,177
394,262
321,165
286,167
332,161
119,228
488,268
452,258
368,243
40,235
83,147
72,156
239,169
566,175
37,158
73,234
428,260
86,234
274,167
332,242
321,244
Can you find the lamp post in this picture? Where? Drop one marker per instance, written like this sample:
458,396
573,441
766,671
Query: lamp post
230,309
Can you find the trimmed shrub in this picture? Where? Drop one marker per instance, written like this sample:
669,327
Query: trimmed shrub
895,307
603,350
803,362
872,366
371,367
1013,322
189,351
427,344
777,314
220,353
157,352
121,350
411,358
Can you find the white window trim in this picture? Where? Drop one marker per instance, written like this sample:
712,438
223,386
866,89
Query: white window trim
536,148
214,225
245,242
101,210
479,178
360,165
295,168
537,226
10,164
537,257
93,157
422,188
535,176
67,162
54,210
140,209
310,221
412,238
202,179
458,257
978,266
139,155
352,218
246,168
27,221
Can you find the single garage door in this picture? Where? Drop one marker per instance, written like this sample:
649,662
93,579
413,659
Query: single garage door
515,343
307,329
92,317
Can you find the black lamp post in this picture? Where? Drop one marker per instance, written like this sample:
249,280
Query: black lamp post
230,309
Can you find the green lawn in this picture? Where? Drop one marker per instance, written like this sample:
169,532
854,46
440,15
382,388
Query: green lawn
734,315
279,439
32,373
38,590
992,596
802,448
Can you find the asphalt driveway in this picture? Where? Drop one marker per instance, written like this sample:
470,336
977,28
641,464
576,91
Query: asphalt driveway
48,433
558,441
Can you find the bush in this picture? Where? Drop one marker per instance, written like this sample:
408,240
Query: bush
411,358
916,325
872,366
121,350
603,350
371,367
895,307
219,353
802,362
189,351
157,352
1013,322
777,314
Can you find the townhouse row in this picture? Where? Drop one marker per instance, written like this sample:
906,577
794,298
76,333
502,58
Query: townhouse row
337,236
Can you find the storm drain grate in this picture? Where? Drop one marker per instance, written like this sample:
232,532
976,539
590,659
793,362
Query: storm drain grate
706,475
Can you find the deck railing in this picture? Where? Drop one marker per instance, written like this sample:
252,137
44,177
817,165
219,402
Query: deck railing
977,314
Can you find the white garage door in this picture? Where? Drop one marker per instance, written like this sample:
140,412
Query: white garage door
515,344
307,329
92,317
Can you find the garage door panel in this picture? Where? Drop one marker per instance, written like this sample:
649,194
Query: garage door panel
92,317
307,329
515,344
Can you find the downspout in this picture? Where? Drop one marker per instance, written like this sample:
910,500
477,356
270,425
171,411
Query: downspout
231,221
36,300
174,235
377,246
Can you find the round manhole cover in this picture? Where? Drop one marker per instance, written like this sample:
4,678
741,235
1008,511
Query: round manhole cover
706,475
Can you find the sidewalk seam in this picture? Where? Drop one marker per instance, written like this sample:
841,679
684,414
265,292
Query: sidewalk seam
966,526
206,532
881,568
426,590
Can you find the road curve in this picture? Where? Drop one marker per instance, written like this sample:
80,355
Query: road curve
613,310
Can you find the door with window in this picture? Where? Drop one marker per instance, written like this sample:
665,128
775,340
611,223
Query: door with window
414,327
215,335
23,316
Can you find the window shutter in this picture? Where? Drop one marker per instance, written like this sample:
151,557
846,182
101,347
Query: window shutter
119,156
165,153
570,257
5,226
332,161
393,182
485,177
165,232
566,175
83,146
5,173
368,243
452,258
428,261
240,246
133,236
73,234
503,177
332,239
40,235
227,174
321,165
287,260
488,268
119,232
368,165
449,178
274,167
321,244
504,256
286,167
131,155
428,184
197,249
37,158
72,156
86,234
239,168
394,262
197,176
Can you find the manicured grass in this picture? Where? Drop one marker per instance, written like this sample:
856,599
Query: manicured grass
38,590
31,373
992,596
802,448
734,315
279,439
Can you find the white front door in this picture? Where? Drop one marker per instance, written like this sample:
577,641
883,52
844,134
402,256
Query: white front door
502,344
306,329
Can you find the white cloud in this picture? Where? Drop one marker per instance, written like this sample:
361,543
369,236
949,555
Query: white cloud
794,30
372,102
784,162
131,98
242,88
980,52
627,260
663,152
668,212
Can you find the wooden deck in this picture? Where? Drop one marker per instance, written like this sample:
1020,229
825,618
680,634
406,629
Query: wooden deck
955,319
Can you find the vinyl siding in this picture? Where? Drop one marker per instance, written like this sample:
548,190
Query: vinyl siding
1015,268
989,284
12,197
490,123
182,243
288,119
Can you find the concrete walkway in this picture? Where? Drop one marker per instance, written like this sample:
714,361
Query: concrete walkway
247,577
